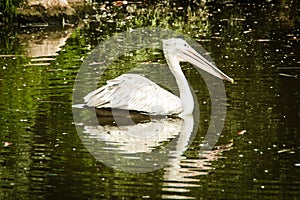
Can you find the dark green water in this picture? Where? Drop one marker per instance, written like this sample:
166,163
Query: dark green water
257,44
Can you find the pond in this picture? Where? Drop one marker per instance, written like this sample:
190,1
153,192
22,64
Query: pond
256,156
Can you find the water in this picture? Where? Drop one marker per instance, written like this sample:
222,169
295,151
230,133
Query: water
256,156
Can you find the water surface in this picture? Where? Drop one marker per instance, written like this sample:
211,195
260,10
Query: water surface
256,156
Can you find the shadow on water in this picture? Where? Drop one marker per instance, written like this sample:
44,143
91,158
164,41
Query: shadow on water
257,155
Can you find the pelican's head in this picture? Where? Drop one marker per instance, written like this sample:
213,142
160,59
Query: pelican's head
177,48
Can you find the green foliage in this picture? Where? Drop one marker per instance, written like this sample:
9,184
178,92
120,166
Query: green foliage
9,8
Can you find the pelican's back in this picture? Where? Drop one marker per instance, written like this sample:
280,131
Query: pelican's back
134,92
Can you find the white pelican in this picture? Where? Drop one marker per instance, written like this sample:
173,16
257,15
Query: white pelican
137,93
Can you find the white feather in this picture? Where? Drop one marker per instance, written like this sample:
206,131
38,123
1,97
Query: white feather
134,92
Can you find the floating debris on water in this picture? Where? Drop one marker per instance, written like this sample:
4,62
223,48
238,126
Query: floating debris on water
242,132
6,144
288,75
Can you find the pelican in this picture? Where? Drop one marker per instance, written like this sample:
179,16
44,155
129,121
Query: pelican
136,93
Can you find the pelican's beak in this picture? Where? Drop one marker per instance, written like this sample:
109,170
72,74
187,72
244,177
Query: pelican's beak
190,55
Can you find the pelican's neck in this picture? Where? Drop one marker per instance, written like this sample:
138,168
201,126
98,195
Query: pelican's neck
185,93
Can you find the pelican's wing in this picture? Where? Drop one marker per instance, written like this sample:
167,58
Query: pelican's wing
134,92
